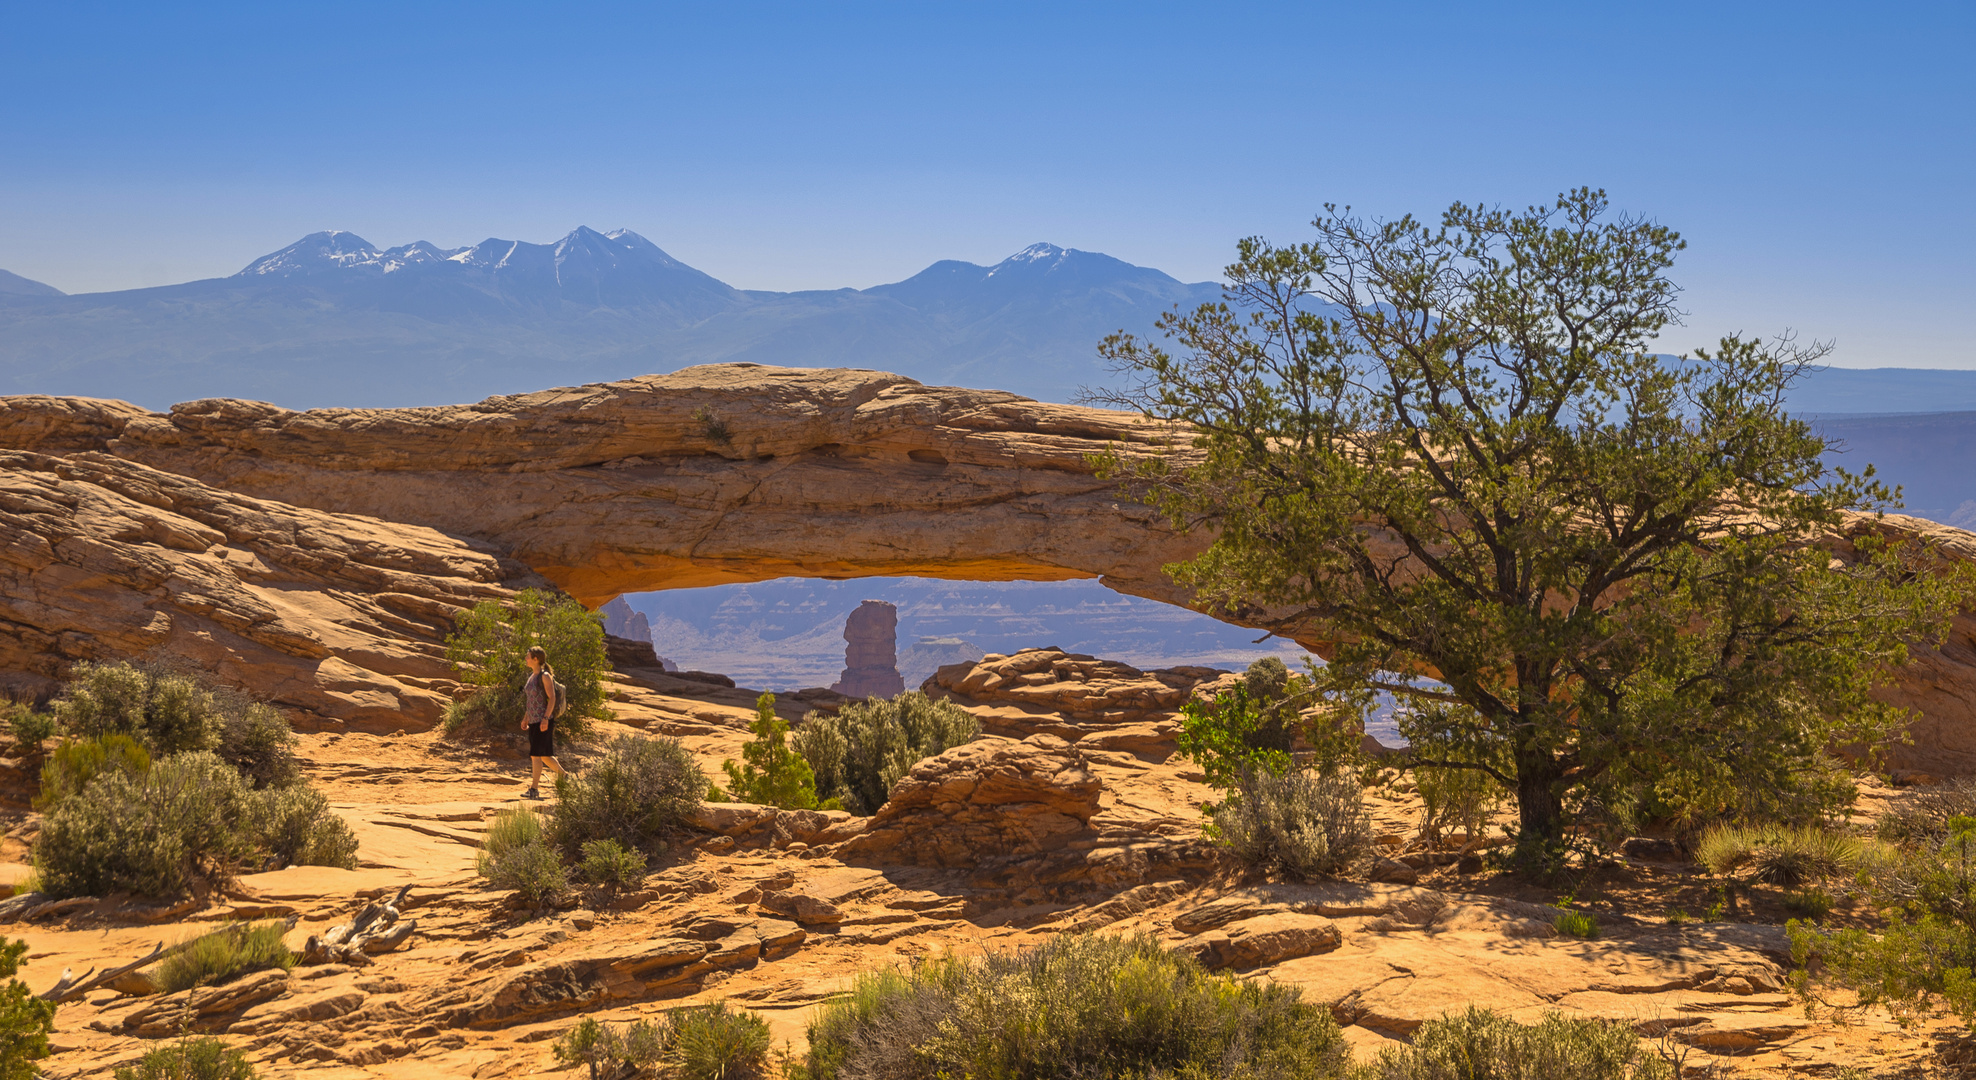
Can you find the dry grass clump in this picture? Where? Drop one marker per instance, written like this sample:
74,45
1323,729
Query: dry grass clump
1787,855
1078,1005
230,951
1302,825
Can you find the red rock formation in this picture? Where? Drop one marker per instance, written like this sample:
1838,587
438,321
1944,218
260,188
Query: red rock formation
870,652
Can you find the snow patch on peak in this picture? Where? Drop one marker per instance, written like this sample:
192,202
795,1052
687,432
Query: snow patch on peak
1038,252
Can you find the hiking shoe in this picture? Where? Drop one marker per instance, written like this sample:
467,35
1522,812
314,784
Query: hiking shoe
531,793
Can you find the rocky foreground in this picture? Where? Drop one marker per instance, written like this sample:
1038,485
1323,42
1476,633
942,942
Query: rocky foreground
1069,814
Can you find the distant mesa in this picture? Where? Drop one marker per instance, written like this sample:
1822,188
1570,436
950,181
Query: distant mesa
870,652
622,621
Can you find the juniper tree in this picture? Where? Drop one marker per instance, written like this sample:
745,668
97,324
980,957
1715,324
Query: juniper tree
1447,452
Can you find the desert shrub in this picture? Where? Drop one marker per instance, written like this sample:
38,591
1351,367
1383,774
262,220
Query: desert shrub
1927,950
185,819
258,741
1452,794
1576,924
1923,816
516,855
1303,825
1229,736
1077,1005
230,951
611,865
1484,1045
772,774
296,826
169,712
488,648
860,753
28,727
191,1058
1788,855
1810,903
25,1020
77,762
637,792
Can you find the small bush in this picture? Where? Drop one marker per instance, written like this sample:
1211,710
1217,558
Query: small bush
224,954
77,762
169,712
1923,816
1231,735
1481,1045
488,649
1787,855
773,774
25,1020
1452,795
611,865
1306,826
29,728
183,820
1678,917
200,1058
1810,903
637,792
1078,1005
258,741
516,855
296,827
858,755
1576,924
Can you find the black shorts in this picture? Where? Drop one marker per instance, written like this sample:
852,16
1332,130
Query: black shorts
542,743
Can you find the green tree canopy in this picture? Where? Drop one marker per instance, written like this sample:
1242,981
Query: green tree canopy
1448,450
489,647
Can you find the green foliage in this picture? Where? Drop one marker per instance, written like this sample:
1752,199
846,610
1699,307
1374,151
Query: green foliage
611,865
1228,736
77,762
774,774
488,649
516,855
191,1058
860,753
296,827
28,727
706,1042
258,741
1077,1005
169,712
1810,903
1458,769
25,1020
1576,924
1678,917
1483,1045
1306,826
637,792
1453,450
232,950
1927,950
153,835
1788,855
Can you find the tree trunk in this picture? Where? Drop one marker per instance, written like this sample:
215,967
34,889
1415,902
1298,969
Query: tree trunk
1539,806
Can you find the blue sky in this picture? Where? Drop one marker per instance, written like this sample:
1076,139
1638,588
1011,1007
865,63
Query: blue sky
1817,156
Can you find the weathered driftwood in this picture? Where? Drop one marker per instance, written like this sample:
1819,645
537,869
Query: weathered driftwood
14,907
68,987
378,928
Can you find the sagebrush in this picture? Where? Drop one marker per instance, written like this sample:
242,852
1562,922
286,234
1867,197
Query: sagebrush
191,1058
706,1042
1483,1045
1079,1005
638,792
858,755
1303,825
516,855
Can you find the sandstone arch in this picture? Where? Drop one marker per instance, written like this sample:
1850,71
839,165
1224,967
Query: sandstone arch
710,475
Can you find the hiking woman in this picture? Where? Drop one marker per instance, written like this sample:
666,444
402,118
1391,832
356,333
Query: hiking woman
539,718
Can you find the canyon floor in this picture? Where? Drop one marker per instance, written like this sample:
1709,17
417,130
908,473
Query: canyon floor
482,989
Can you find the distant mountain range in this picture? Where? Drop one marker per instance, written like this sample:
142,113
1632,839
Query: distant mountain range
334,320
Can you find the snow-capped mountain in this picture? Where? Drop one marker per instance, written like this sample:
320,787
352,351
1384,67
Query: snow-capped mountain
333,319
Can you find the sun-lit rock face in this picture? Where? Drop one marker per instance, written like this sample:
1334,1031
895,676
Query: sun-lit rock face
709,475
